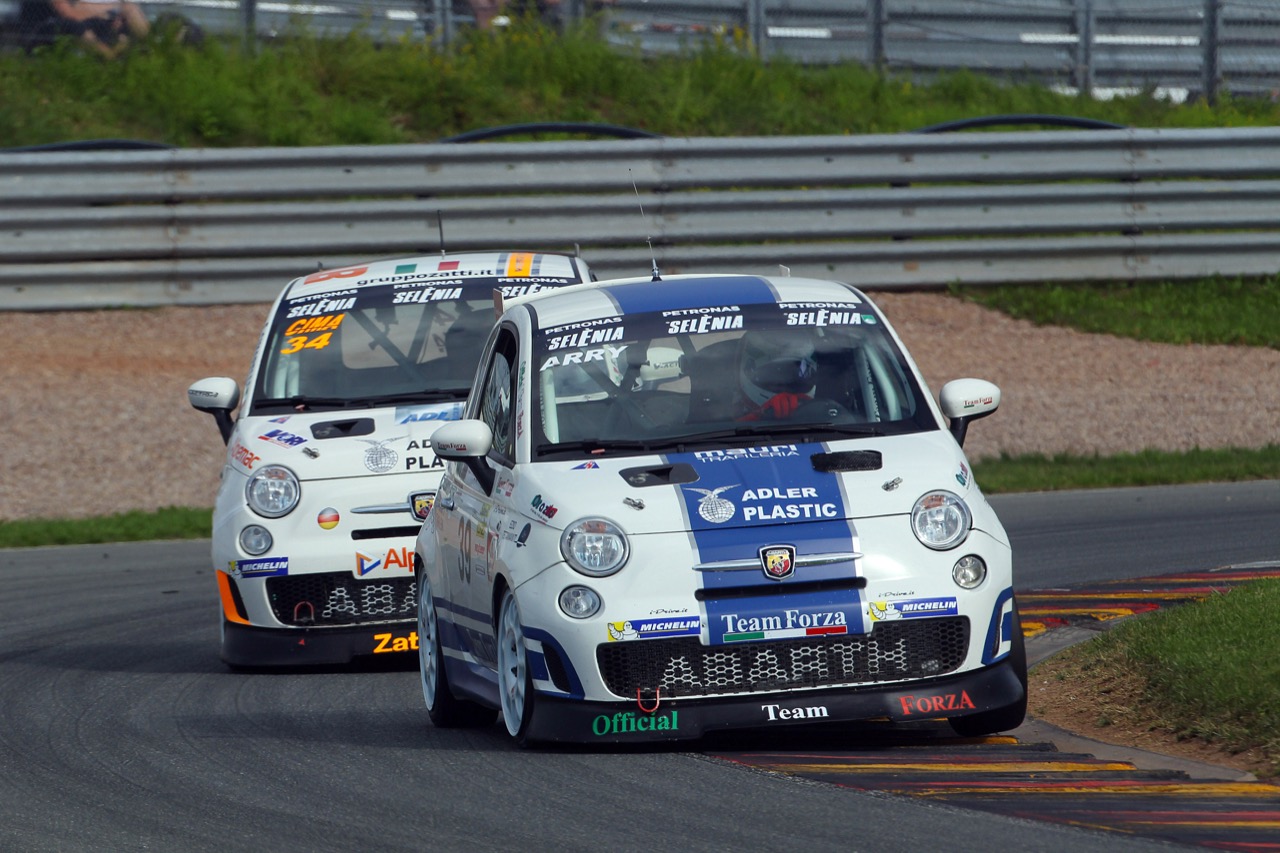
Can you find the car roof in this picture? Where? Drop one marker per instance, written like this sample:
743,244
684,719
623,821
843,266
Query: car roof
690,292
505,266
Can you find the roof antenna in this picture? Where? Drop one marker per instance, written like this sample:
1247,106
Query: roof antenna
440,226
657,276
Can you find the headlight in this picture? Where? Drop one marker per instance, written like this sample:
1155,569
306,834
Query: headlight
580,602
255,539
941,520
969,572
273,491
594,547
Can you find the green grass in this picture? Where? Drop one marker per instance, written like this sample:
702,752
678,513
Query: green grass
133,526
1212,311
301,90
1206,668
1037,472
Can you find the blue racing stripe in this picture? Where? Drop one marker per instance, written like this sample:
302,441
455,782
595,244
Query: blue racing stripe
770,497
692,293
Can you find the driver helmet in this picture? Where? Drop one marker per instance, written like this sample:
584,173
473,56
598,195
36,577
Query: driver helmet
779,361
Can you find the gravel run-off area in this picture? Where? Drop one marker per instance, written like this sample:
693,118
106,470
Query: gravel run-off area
96,419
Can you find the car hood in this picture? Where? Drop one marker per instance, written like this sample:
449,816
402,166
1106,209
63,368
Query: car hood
329,445
750,487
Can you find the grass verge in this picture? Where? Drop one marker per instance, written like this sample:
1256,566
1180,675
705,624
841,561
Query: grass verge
1218,310
304,90
1195,671
133,526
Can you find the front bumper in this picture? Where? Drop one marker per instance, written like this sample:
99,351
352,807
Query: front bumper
557,719
250,646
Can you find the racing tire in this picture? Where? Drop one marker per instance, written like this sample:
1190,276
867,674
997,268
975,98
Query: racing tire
515,679
446,710
1010,716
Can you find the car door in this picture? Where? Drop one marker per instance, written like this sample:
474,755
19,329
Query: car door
476,515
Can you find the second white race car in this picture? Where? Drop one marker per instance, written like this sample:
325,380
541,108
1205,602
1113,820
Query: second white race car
329,470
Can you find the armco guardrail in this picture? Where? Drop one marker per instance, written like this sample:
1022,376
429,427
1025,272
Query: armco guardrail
88,229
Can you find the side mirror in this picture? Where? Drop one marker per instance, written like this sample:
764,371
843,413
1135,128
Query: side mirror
965,400
467,442
218,396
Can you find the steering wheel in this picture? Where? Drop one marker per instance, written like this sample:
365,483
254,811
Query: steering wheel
821,410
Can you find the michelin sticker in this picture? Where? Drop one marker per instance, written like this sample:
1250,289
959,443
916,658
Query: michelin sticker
887,611
648,629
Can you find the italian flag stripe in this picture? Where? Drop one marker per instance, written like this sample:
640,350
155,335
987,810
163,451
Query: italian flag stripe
786,634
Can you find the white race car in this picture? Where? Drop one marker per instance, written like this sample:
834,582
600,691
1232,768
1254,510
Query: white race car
329,470
712,502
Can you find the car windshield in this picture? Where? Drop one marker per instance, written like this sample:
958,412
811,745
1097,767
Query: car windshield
374,345
666,380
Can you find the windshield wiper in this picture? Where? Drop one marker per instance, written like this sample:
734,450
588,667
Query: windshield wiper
760,428
595,445
445,396
300,402
748,433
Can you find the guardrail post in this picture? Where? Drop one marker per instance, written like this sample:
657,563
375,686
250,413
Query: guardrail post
1084,46
875,34
249,20
442,21
1210,69
756,30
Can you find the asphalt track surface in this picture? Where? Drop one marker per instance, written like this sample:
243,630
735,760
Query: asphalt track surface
123,731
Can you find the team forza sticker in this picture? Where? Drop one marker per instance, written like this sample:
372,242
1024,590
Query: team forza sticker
938,703
790,624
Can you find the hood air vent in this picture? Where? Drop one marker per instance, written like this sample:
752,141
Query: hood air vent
343,429
847,460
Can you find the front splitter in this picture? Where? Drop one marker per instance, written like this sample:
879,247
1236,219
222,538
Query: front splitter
557,719
252,646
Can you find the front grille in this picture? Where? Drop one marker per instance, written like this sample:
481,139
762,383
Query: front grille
893,651
338,598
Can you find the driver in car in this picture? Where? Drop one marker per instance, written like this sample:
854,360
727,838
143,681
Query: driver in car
777,373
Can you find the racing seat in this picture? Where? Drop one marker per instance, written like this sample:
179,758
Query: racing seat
714,394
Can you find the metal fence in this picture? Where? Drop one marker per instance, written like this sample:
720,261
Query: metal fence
97,228
1180,48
